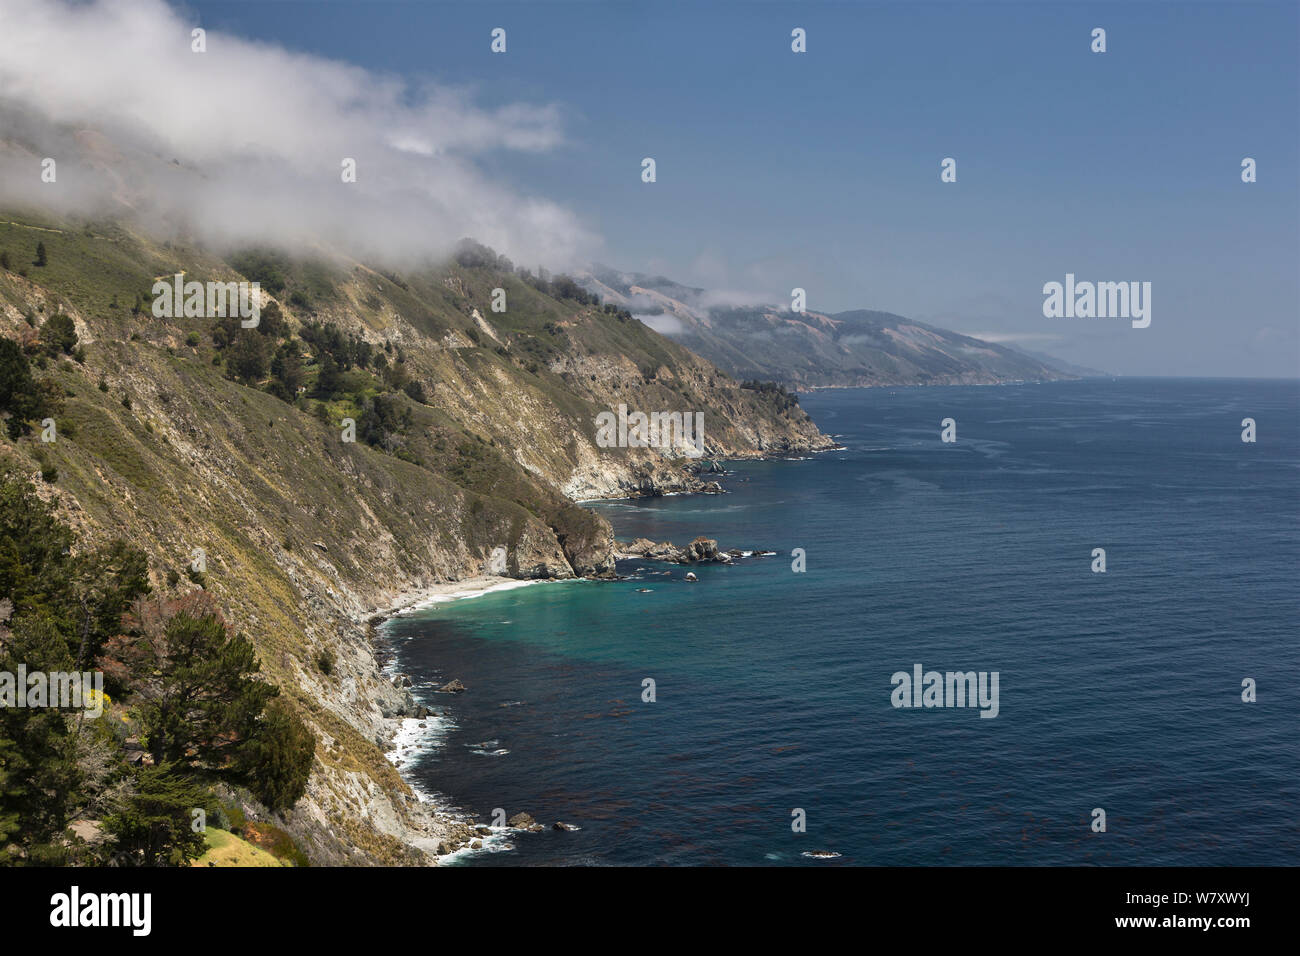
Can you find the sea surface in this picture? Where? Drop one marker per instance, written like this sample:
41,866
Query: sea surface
1120,691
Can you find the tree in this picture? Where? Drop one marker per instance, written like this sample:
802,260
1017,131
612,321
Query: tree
249,357
276,762
198,697
38,773
415,391
154,825
271,322
382,419
59,334
18,396
330,380
40,254
4,259
105,583
57,608
286,371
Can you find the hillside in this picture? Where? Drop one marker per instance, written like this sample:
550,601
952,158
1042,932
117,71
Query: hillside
813,349
474,432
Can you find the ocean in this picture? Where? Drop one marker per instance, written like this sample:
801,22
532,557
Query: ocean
773,688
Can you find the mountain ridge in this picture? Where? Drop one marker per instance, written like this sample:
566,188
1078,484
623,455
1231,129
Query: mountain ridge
853,348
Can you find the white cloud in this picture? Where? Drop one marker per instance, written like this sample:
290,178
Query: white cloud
663,324
244,142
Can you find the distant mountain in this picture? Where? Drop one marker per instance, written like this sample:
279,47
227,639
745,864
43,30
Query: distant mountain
1070,369
815,349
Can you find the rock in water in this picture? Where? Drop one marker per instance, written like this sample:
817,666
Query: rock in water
454,687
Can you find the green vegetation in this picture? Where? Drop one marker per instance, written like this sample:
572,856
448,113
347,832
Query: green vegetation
223,848
173,669
23,399
781,397
59,334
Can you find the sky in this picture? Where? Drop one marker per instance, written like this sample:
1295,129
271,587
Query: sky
821,170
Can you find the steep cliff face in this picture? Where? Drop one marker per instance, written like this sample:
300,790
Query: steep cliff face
476,434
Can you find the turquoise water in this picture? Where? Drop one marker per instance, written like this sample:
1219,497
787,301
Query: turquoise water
1119,691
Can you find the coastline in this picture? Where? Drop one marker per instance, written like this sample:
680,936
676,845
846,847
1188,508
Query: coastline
450,831
410,601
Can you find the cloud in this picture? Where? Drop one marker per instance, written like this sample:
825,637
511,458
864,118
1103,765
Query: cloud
244,143
663,324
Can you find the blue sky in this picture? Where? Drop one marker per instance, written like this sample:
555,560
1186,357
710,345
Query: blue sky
821,170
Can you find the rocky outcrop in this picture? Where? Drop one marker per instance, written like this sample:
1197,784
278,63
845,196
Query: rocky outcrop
700,551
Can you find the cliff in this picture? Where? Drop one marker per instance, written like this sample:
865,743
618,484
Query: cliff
475,434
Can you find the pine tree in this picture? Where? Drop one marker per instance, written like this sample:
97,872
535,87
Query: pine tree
154,825
194,677
276,761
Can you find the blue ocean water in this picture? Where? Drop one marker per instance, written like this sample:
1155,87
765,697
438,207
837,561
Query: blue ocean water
1120,691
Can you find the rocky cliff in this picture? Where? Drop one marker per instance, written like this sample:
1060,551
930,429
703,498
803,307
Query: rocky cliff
474,435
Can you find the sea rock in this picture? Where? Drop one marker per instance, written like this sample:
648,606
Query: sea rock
453,687
567,827
521,821
700,551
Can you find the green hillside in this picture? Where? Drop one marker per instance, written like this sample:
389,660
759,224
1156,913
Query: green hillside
474,431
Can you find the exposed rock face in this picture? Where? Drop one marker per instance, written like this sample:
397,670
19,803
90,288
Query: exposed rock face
523,821
701,550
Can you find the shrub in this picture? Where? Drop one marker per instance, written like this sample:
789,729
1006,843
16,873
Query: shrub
59,334
415,391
